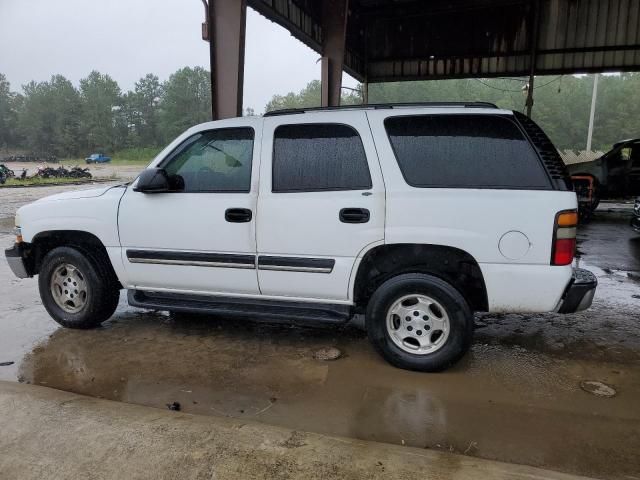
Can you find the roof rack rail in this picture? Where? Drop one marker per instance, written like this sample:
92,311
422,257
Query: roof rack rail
374,106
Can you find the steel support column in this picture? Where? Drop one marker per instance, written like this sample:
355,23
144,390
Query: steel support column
334,29
227,21
533,58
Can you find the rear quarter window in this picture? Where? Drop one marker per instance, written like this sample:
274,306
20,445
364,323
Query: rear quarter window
464,151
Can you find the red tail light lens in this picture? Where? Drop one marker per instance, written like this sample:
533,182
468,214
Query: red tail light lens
563,249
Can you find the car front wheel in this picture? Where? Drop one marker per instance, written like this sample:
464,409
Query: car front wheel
77,288
419,322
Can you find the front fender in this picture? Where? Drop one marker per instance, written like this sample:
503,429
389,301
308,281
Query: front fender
95,215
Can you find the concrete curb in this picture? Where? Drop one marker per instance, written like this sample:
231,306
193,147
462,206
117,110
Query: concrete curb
47,433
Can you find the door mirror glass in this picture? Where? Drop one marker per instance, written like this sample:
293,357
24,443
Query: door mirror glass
153,180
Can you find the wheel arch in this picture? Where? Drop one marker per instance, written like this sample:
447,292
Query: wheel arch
45,241
453,265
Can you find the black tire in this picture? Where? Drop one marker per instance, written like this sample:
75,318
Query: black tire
102,292
461,323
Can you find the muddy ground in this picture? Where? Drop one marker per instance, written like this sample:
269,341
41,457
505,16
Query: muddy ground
515,397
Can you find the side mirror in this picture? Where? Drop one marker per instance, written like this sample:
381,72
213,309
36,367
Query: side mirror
153,180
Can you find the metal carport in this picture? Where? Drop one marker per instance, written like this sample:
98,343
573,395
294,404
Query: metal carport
397,40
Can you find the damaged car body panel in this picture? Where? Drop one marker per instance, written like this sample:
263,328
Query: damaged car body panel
635,218
614,175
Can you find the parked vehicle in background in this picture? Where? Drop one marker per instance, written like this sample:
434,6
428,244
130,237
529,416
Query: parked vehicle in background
97,158
586,190
6,171
49,172
614,175
415,216
78,172
635,219
62,172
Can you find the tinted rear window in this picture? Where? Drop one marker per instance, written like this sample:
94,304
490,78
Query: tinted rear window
467,151
317,157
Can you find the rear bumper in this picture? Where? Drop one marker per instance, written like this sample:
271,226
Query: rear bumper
579,294
15,259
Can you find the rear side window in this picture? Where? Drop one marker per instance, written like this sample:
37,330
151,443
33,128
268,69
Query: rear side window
318,157
464,151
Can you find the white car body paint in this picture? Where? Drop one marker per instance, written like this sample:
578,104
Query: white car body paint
191,222
305,225
93,211
474,220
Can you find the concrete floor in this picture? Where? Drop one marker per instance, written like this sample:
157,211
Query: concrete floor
515,398
48,433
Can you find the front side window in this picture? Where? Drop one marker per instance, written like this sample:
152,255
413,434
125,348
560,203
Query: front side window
625,153
213,161
464,151
631,153
318,157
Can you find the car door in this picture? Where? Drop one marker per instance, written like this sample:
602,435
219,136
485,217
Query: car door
321,203
201,237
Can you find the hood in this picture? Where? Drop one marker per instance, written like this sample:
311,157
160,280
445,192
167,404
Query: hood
88,193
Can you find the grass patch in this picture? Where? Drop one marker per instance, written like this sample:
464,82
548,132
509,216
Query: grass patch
128,156
135,156
30,182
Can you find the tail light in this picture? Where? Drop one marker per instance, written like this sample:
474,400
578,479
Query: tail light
18,233
564,238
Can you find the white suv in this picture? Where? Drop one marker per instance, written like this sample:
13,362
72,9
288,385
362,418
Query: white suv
415,215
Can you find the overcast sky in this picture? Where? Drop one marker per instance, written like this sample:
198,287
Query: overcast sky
128,38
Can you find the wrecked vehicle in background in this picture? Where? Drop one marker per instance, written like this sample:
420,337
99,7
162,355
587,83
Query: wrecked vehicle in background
5,173
616,174
635,219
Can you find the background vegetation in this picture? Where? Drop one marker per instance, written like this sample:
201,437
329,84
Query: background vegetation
561,107
58,118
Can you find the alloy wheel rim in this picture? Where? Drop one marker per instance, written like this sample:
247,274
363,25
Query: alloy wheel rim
69,288
418,324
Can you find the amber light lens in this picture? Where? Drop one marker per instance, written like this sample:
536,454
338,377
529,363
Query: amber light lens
564,238
567,219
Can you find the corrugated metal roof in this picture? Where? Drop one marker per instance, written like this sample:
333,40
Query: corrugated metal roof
391,40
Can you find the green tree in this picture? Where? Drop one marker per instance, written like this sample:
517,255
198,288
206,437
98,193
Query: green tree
53,117
186,101
309,96
561,107
103,126
48,117
617,106
143,111
8,114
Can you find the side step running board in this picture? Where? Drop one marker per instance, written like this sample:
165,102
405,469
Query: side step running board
271,310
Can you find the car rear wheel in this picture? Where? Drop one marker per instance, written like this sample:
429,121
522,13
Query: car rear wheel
77,288
419,322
